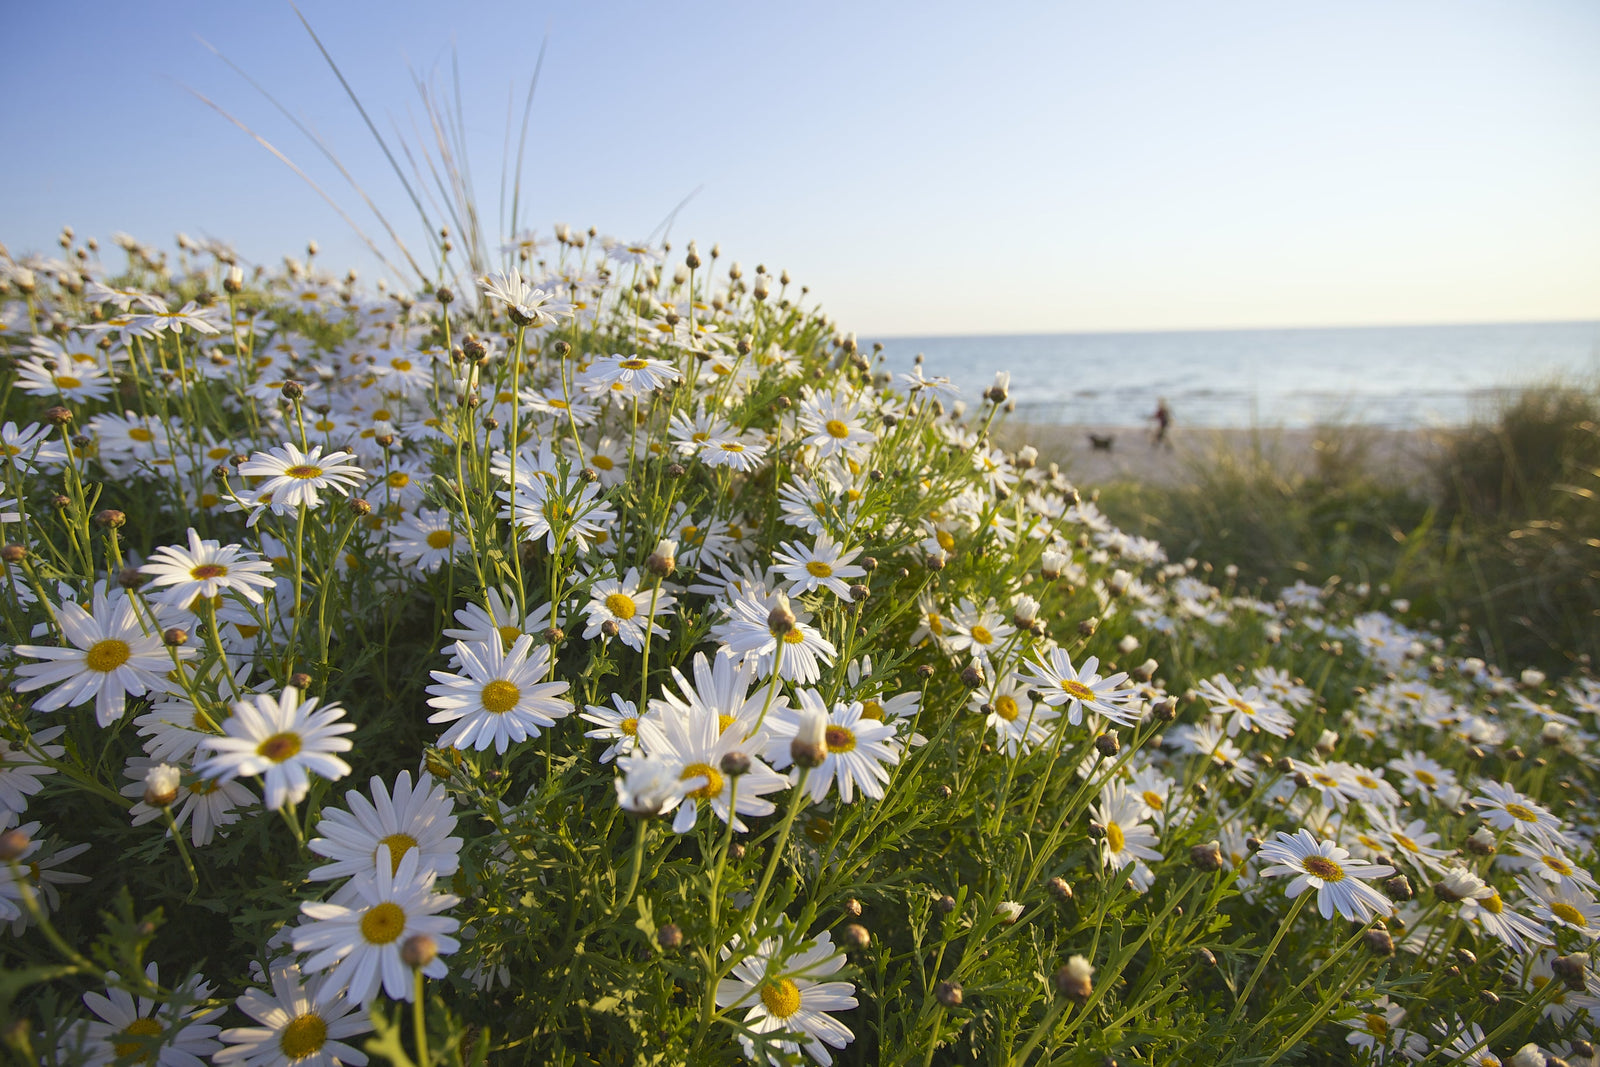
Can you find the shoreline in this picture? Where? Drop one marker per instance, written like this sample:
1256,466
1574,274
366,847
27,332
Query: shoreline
1401,457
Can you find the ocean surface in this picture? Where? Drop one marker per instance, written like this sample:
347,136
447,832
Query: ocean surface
1401,377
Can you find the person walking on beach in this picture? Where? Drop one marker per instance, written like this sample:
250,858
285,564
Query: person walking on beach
1163,420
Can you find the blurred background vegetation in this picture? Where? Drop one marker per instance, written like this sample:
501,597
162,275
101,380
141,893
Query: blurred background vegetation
1498,536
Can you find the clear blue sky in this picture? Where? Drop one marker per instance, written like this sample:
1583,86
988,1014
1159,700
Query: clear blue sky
926,168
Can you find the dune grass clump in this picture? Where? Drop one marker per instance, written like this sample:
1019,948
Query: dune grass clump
613,665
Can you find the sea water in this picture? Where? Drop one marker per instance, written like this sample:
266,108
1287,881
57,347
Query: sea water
1401,377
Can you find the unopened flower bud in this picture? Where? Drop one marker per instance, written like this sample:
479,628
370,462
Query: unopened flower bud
1327,741
855,936
1025,612
1206,956
1001,388
664,559
948,994
945,904
1051,564
735,764
56,415
676,470
13,843
111,519
444,294
175,637
1087,627
1108,744
359,507
554,635
418,950
780,620
1059,888
859,592
1570,970
669,937
1379,943
233,282
293,390
131,578
1398,888
1206,857
161,785
972,676
1165,710
562,348
610,628
1527,1056
1008,912
13,553
1481,842
1075,979
810,745
1118,583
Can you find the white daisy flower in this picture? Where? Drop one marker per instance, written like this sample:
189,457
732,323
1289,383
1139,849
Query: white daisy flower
1515,930
692,742
294,478
622,601
111,656
359,945
747,632
38,863
1564,905
29,447
206,569
627,375
857,748
427,540
61,377
145,1030
1503,808
283,739
1019,723
294,1029
404,819
826,565
526,305
831,424
500,696
618,724
1060,683
779,985
1340,882
1127,837
1249,710
21,769
979,632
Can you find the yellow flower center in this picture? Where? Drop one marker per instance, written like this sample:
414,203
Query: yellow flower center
440,539
1405,842
305,1034
713,777
1425,778
1557,864
633,364
1324,868
1153,800
840,739
139,433
1377,1025
398,479
137,1028
604,463
1493,904
732,446
106,656
621,605
872,709
1521,814
837,429
67,381
1366,781
1005,706
946,539
1568,914
208,570
1115,838
279,747
725,721
508,635
818,569
794,637
935,623
399,845
629,727
383,923
304,471
1077,690
781,998
500,696
982,636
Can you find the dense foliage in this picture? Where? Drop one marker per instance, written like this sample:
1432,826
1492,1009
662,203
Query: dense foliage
617,666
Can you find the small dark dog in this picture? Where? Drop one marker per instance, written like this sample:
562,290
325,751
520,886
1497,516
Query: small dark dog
1102,444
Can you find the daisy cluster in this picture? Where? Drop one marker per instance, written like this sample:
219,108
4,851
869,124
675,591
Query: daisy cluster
719,696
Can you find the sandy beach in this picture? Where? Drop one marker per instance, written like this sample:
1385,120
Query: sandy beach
1402,455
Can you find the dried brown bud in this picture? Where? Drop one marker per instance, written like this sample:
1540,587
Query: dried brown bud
1398,888
1379,943
972,675
1570,970
669,937
359,507
56,415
